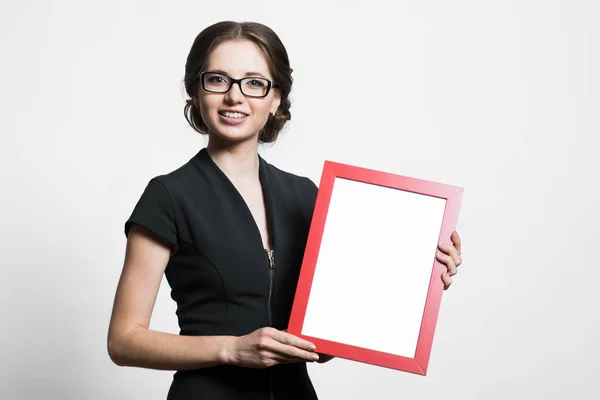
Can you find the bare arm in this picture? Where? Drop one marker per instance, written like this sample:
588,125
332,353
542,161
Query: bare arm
131,343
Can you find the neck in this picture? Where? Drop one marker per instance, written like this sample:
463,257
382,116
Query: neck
239,161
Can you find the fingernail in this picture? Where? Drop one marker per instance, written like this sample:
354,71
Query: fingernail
315,357
312,347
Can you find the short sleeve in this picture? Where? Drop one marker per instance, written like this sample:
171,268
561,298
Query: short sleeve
310,191
154,211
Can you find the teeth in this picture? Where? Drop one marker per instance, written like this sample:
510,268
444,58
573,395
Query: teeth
233,114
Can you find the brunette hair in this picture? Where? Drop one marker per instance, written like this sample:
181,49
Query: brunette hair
274,53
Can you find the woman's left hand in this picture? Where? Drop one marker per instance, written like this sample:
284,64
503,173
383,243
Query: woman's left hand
449,255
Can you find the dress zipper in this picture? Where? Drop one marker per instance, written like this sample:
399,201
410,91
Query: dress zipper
271,273
271,256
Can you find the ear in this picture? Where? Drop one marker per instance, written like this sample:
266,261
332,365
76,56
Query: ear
276,102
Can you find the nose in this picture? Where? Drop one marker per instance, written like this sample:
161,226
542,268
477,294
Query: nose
235,94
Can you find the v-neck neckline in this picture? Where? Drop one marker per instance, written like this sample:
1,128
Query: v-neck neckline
266,192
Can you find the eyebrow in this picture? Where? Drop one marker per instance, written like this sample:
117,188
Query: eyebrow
251,73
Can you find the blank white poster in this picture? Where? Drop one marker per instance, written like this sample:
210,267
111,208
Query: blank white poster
374,267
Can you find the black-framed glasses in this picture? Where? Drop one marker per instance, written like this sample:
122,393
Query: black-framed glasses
252,86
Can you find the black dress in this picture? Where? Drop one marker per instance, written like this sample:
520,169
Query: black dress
220,275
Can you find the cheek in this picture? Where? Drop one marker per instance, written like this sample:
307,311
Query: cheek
204,113
261,116
206,106
261,109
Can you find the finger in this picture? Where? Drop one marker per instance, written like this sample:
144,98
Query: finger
456,241
270,342
293,346
271,358
292,340
448,262
452,252
306,344
292,360
292,353
284,359
447,280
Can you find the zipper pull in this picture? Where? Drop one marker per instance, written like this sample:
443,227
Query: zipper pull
271,259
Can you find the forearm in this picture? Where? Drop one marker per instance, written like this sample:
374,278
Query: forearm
144,348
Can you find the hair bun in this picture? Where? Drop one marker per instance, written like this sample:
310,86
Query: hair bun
283,116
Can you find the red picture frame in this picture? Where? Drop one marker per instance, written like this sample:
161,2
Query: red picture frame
432,291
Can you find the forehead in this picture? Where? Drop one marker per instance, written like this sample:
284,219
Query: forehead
236,58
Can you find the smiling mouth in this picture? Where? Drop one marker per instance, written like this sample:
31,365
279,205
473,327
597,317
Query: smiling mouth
236,115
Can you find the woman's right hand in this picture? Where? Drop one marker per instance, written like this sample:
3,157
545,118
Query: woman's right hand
266,347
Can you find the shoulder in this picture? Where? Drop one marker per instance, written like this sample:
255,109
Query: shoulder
159,207
293,189
178,176
155,209
296,183
182,179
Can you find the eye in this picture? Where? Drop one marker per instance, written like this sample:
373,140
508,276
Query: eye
257,83
216,79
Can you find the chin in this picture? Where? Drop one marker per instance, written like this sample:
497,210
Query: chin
234,135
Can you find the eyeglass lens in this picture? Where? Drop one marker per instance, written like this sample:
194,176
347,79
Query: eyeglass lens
252,86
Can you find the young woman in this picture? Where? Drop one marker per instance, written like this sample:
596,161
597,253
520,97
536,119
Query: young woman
228,230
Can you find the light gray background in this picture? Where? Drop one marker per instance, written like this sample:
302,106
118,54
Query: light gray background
499,97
